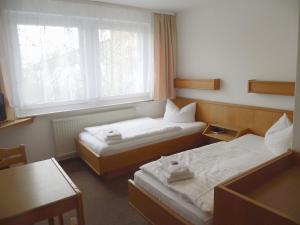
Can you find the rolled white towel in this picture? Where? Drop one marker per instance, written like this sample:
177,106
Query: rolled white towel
175,170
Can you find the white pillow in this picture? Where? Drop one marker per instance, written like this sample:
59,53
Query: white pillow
281,124
280,141
183,115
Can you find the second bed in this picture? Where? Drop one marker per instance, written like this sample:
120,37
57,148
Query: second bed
164,139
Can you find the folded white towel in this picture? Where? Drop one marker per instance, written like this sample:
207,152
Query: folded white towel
175,170
171,178
110,135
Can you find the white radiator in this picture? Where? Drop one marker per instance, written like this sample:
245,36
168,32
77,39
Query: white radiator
67,129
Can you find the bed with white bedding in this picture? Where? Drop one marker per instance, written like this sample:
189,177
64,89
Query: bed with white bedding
158,131
152,137
212,164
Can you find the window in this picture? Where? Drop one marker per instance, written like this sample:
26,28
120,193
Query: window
50,65
64,64
119,75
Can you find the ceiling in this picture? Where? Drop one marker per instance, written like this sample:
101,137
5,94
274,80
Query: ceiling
158,5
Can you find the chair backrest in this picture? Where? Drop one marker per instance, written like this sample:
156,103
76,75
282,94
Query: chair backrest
12,156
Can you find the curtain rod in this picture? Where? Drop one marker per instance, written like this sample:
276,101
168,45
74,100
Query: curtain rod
96,2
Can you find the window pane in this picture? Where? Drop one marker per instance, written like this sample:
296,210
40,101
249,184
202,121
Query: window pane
121,63
50,64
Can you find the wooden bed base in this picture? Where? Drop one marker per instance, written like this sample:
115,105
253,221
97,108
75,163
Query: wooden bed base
130,160
151,208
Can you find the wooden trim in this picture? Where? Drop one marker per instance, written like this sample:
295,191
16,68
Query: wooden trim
275,165
257,119
204,84
271,87
151,208
16,123
88,156
244,211
64,174
132,159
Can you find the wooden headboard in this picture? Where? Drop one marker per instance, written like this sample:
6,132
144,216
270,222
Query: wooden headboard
257,119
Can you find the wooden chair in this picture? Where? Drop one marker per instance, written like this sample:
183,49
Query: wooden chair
12,156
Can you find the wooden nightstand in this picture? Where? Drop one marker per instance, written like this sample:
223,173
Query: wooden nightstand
224,133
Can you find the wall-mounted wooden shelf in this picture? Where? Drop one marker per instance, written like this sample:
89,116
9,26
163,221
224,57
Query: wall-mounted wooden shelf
18,122
204,84
271,87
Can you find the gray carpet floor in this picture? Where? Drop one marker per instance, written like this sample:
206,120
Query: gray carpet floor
105,200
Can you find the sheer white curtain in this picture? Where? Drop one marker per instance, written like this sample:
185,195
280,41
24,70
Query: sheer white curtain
64,55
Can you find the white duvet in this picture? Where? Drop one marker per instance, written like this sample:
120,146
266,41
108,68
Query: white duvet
134,129
211,164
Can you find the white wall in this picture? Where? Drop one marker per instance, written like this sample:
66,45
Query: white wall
38,137
238,40
296,144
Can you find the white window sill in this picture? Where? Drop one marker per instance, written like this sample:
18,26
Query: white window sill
97,106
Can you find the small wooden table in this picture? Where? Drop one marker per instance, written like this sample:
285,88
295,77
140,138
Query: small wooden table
36,192
225,133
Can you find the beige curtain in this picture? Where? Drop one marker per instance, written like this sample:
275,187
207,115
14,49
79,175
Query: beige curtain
164,56
4,47
10,112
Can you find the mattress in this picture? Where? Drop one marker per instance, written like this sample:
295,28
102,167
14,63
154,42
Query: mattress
181,205
169,198
101,148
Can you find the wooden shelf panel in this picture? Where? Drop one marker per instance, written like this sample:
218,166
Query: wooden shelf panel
18,122
222,136
285,185
203,84
269,193
236,129
271,87
227,133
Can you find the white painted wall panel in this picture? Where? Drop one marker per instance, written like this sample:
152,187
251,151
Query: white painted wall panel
296,143
238,40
